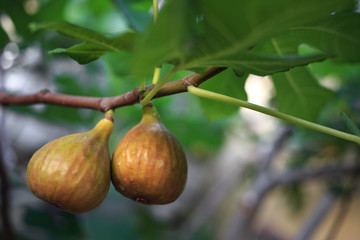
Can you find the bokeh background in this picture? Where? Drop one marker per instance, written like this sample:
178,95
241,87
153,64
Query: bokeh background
242,178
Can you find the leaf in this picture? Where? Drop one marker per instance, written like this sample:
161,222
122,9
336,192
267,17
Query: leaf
4,39
118,43
229,84
51,10
351,125
262,64
299,94
190,34
15,10
136,12
82,53
338,36
95,44
71,227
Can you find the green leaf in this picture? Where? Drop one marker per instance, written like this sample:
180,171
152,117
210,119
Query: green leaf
229,84
118,43
70,228
263,64
208,32
82,53
4,39
351,125
51,10
338,37
299,94
95,44
15,10
136,12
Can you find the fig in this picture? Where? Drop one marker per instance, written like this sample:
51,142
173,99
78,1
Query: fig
73,171
149,164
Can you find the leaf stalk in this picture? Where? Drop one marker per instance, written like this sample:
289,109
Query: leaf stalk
294,120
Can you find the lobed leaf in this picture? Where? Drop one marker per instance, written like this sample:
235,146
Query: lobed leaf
263,64
299,94
338,36
191,34
227,83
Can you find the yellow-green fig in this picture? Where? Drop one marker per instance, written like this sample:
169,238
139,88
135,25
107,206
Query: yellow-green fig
149,164
73,172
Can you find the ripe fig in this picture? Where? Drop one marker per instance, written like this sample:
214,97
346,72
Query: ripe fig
149,164
73,172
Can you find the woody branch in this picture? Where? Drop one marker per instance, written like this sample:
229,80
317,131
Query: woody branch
106,103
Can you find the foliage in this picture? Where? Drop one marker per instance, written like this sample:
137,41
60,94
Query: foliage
250,37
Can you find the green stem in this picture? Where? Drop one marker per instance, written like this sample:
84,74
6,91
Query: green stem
157,87
156,75
155,9
157,69
142,86
317,127
110,115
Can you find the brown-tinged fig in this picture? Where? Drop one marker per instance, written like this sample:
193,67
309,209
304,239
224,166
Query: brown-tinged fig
73,172
149,164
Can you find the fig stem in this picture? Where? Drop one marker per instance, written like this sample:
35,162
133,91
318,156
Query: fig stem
156,76
110,115
157,87
150,113
155,9
294,120
142,86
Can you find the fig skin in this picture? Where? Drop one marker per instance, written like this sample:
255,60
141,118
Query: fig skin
149,164
73,172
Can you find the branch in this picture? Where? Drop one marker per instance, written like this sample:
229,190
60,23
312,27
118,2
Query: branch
264,183
340,218
320,211
106,103
305,174
256,193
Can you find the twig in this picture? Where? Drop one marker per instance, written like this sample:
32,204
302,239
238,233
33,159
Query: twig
106,103
306,174
322,208
256,193
339,219
265,183
278,144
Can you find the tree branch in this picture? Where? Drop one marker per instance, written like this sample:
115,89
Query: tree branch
300,175
345,204
106,103
257,193
320,211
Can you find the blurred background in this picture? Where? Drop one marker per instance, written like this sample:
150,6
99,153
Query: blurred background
250,175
